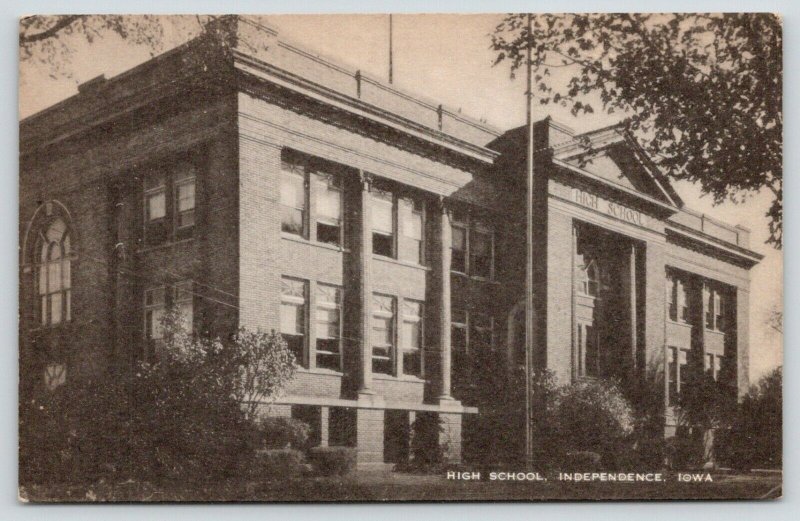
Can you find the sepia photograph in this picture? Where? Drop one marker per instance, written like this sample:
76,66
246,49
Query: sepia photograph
400,257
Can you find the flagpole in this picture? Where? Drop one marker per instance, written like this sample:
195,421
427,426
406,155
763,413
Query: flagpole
391,58
529,325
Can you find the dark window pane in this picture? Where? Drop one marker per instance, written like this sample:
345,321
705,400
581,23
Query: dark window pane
295,343
411,363
382,365
328,233
156,233
458,261
382,244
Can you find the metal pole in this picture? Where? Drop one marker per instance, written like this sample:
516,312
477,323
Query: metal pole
391,64
529,260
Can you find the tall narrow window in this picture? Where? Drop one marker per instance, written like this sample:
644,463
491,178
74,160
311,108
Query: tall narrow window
383,337
155,307
184,303
413,231
293,316
184,203
412,338
459,339
329,313
293,199
329,208
593,360
682,302
480,249
683,368
672,363
458,258
382,223
54,274
672,294
719,311
155,210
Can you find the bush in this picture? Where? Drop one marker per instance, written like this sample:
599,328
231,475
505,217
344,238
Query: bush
333,461
277,463
428,452
755,438
186,415
588,416
282,433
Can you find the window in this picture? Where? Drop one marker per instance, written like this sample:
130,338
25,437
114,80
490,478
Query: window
157,301
472,247
458,259
155,199
382,333
155,308
329,313
165,220
382,223
329,208
678,360
412,246
54,284
459,339
480,250
588,277
293,316
672,304
677,301
590,360
412,338
184,204
293,199
715,312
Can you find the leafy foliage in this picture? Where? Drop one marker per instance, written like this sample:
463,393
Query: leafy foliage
333,461
701,92
181,416
755,438
280,433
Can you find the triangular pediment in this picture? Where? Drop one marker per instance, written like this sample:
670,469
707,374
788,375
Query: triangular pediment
614,158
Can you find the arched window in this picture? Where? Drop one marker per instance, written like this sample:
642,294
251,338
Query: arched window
53,274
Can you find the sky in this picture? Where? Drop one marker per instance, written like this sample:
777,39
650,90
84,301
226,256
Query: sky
445,58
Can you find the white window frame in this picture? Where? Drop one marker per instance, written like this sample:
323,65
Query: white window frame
322,304
418,319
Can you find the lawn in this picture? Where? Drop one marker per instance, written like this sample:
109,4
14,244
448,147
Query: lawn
410,487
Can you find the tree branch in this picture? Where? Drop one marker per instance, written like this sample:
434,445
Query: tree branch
63,22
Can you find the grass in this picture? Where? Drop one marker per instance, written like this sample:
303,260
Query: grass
408,487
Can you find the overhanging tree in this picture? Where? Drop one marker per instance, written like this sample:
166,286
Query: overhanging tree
701,92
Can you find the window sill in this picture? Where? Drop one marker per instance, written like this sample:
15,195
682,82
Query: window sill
308,242
677,323
165,245
475,277
714,331
402,378
392,260
317,370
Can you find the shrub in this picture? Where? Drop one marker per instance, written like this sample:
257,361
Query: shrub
333,461
587,416
755,438
427,451
277,463
281,432
185,415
